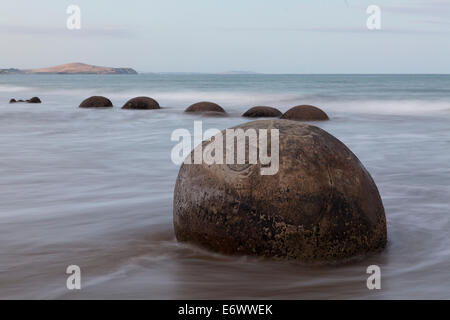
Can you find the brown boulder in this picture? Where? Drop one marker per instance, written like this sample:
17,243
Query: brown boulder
34,100
305,113
141,103
96,102
321,206
260,112
205,107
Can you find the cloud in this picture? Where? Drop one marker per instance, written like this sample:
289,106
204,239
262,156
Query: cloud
367,31
85,31
431,12
436,8
435,12
348,30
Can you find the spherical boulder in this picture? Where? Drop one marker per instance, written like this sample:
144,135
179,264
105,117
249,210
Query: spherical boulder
261,112
321,206
96,102
205,107
34,100
141,103
12,101
305,113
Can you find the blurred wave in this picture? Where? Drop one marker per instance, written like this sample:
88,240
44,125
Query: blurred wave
94,187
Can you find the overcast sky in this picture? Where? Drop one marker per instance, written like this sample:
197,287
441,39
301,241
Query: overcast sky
285,36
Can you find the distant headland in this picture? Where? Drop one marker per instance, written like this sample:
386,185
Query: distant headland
71,68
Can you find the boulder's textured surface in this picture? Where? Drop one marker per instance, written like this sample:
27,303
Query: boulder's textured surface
205,107
96,102
305,113
260,112
141,103
322,205
34,100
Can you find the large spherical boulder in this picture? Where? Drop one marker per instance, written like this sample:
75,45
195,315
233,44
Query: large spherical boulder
141,103
321,206
34,100
261,112
96,102
205,107
305,113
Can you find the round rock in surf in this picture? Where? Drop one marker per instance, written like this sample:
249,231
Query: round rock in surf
205,107
262,112
305,113
320,206
96,102
141,103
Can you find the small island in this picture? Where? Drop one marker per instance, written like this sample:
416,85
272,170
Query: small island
71,68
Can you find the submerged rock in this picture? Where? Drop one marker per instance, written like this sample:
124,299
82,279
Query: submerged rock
305,113
259,112
141,103
96,102
322,205
34,100
205,107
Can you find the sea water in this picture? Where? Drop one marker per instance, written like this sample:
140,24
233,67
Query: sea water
94,188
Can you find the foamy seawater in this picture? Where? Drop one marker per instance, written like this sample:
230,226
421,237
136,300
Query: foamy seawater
94,188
